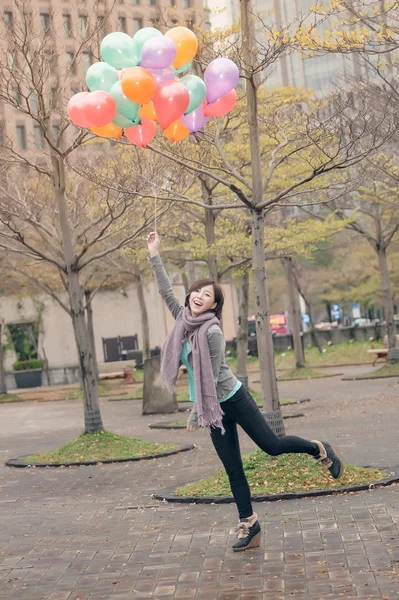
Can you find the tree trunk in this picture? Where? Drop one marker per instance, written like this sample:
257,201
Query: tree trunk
393,352
3,386
270,396
90,327
92,415
295,314
145,325
242,334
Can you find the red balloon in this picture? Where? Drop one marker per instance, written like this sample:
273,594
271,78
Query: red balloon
222,106
143,134
75,110
171,100
99,108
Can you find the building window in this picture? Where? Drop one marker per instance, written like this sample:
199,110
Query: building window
56,130
1,132
11,59
153,2
137,24
135,2
122,24
16,94
172,2
9,18
83,24
71,62
86,56
53,97
186,3
38,136
101,24
21,137
68,26
33,101
45,23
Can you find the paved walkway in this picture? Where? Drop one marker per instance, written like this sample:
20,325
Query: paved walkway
96,533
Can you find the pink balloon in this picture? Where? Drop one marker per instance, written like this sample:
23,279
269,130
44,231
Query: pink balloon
143,134
171,101
75,110
162,75
222,106
195,120
99,108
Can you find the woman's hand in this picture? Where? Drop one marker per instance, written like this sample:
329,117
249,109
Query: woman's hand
191,427
153,243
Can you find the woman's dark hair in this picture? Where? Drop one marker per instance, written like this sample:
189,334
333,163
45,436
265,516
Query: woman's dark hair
217,290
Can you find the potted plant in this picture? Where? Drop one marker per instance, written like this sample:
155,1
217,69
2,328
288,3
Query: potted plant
28,373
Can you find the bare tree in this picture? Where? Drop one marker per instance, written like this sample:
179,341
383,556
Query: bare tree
49,213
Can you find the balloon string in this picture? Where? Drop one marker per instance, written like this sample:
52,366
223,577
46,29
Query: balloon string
155,215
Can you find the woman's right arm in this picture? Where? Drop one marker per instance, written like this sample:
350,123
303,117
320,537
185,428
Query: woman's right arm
161,277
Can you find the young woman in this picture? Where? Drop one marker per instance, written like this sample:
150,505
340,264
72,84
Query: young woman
220,400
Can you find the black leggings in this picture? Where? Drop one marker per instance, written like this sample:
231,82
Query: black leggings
242,409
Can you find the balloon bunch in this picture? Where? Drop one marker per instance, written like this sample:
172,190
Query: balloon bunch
138,85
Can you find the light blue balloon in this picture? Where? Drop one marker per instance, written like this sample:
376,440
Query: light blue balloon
124,106
121,121
183,68
117,50
197,90
140,38
101,76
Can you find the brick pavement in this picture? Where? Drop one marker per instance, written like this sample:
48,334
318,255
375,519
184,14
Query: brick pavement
95,533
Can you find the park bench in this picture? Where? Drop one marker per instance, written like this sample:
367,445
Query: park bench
118,370
382,352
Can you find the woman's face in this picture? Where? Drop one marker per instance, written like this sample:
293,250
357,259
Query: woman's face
202,300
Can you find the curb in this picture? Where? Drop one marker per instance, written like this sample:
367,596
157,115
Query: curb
20,464
310,378
167,495
368,378
169,426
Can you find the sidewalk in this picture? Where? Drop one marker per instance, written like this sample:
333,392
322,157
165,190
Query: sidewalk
96,533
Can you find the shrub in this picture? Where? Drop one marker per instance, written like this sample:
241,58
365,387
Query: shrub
24,365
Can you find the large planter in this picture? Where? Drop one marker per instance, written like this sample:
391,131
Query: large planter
30,378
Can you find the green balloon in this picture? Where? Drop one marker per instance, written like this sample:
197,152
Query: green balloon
183,68
121,121
140,38
197,90
117,50
101,76
125,107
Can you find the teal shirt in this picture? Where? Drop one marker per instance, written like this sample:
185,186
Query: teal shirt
190,373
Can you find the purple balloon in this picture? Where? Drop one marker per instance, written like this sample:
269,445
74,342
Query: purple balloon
158,53
221,76
162,75
195,120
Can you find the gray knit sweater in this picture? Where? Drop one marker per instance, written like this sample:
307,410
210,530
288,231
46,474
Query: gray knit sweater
225,380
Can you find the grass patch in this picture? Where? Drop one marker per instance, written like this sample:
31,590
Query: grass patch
257,396
305,373
338,354
388,370
275,475
9,398
98,446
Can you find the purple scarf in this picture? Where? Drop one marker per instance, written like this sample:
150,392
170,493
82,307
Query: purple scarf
208,405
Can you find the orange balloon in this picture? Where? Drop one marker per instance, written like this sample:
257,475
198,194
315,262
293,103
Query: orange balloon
186,45
176,132
107,131
148,111
138,84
